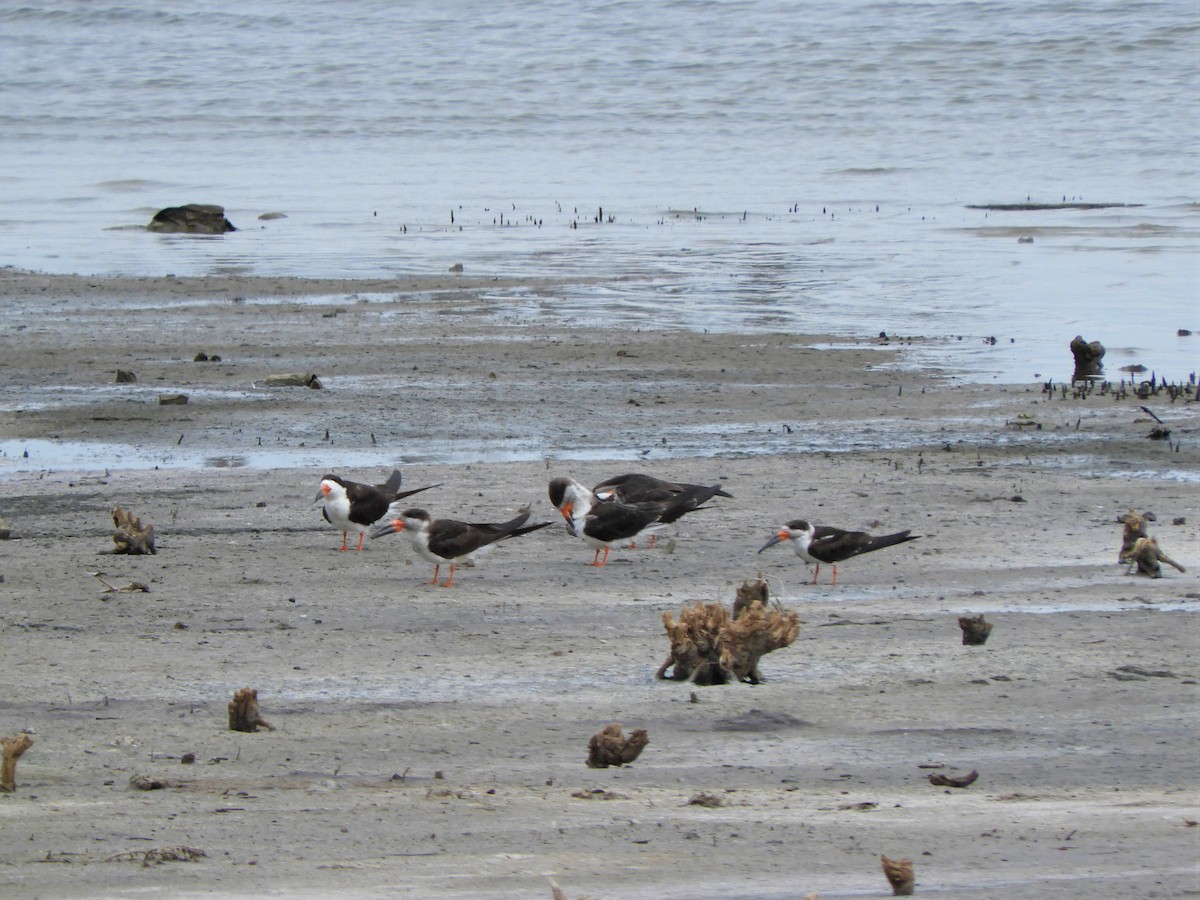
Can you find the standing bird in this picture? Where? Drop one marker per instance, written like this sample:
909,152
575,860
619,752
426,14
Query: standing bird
637,487
818,544
602,523
448,540
352,506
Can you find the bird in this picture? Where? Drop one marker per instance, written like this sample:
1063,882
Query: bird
637,487
353,506
818,544
602,523
449,540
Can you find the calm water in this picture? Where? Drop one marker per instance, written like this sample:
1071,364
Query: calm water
765,165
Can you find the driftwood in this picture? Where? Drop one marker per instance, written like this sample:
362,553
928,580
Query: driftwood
243,712
899,874
949,781
159,855
13,748
1037,207
294,379
191,218
1088,358
710,646
1147,556
611,748
131,537
975,629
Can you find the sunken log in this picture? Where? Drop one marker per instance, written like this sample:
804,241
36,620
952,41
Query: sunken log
611,748
294,379
899,873
13,748
131,536
1088,356
975,629
243,712
191,218
954,782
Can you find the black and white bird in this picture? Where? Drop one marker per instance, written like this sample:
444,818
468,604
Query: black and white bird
353,506
601,523
449,540
637,487
816,544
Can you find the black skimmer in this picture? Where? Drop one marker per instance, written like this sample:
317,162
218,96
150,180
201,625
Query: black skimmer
603,523
818,544
448,540
352,506
637,487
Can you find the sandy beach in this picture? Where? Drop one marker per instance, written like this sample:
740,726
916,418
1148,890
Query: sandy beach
431,742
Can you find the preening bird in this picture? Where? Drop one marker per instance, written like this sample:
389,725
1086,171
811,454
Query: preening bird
816,544
637,487
449,540
353,506
603,523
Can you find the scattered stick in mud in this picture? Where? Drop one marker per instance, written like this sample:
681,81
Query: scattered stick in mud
159,855
129,588
975,629
950,781
13,748
899,874
243,712
611,748
131,537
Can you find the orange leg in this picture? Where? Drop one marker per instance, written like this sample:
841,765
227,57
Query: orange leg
816,572
449,582
653,538
834,576
343,547
361,535
436,568
599,561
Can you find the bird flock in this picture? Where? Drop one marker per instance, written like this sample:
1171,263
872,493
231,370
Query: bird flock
618,512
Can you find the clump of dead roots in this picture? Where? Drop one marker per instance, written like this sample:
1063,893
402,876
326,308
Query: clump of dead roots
131,536
244,714
711,645
610,747
1139,549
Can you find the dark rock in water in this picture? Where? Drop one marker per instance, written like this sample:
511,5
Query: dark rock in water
1088,358
191,218
124,376
268,216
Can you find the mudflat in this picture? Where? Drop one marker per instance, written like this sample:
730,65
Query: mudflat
431,742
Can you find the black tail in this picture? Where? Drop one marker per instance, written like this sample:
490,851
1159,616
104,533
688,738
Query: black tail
689,501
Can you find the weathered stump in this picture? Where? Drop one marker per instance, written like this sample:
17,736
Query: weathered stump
1088,358
748,594
13,747
755,633
1147,555
611,748
1135,529
899,873
975,629
294,379
243,712
131,537
191,218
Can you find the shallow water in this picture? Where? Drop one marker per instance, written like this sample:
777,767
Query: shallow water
765,165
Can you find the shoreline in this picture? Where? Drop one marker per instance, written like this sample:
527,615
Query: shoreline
431,742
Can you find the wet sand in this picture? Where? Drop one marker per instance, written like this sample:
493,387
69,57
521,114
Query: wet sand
431,742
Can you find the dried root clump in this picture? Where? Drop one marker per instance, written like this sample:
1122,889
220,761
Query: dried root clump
710,646
1139,549
131,537
13,747
611,748
243,712
975,629
899,873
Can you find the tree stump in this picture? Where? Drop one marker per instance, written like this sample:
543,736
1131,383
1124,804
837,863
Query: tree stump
611,748
975,629
1135,529
191,218
1088,358
131,537
13,748
1147,555
243,712
900,876
711,646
